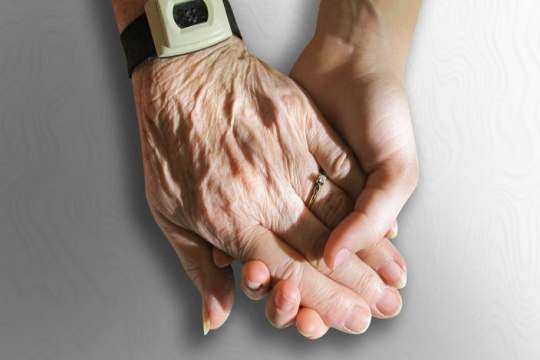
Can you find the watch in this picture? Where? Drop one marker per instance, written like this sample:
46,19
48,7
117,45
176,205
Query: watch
176,27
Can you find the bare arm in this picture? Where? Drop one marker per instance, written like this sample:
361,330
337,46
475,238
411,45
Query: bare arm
380,30
126,11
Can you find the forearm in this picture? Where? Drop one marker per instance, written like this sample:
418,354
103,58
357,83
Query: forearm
126,11
379,31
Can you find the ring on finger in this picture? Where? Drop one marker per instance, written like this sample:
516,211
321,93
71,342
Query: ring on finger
319,183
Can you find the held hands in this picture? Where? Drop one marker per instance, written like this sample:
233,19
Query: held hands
231,150
367,105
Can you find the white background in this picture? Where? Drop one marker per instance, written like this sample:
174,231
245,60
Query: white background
86,274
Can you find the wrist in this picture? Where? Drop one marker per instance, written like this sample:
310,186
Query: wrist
126,11
169,28
376,34
223,55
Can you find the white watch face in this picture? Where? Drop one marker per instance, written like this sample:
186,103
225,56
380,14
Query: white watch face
184,26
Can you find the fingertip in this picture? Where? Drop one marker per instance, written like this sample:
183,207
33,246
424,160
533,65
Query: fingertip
310,324
255,279
341,256
389,303
387,261
215,312
221,258
393,274
287,296
337,249
283,303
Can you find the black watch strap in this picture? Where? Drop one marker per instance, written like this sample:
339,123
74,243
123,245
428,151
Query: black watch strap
138,43
232,21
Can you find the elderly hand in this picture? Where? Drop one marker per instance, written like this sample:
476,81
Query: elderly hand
231,151
282,305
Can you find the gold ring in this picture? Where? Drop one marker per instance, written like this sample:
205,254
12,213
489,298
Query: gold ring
318,186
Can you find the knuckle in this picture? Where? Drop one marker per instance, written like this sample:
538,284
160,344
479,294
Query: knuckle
291,270
333,307
341,164
370,283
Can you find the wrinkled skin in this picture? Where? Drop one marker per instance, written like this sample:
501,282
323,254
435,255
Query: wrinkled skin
231,149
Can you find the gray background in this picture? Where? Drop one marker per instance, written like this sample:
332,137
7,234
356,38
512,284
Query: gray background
86,274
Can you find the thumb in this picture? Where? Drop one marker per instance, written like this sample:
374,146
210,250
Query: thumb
386,191
215,284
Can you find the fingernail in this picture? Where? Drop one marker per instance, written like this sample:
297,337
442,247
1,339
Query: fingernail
206,327
253,286
307,336
358,321
283,303
389,303
393,231
394,275
340,257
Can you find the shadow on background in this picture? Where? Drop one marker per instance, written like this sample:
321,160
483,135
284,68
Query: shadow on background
155,243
